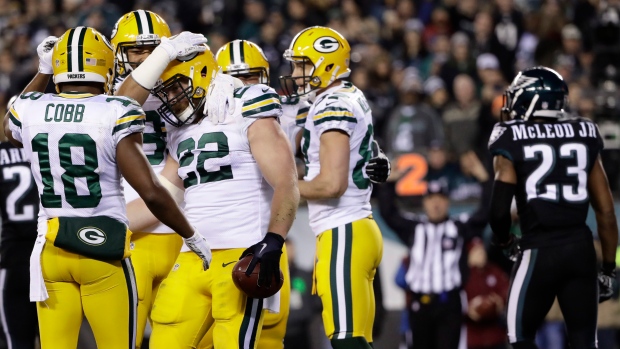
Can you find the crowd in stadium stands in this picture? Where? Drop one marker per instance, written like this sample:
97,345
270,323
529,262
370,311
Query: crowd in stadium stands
434,71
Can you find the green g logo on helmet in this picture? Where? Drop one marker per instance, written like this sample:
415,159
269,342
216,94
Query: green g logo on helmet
326,44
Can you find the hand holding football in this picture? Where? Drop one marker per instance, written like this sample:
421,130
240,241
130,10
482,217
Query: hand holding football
249,284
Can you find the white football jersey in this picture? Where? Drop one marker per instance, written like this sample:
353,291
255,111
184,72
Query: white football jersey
342,107
154,146
226,197
70,140
293,120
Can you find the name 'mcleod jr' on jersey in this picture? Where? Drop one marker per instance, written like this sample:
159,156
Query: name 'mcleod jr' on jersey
70,140
226,197
552,160
342,107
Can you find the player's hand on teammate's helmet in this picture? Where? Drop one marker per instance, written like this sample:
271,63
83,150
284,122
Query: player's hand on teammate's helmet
378,168
220,104
606,282
44,50
199,245
268,253
183,44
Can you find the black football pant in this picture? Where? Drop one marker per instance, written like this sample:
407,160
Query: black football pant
436,321
540,274
18,314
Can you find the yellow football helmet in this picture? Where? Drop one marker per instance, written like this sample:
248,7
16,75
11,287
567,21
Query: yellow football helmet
82,54
183,91
243,57
136,28
325,50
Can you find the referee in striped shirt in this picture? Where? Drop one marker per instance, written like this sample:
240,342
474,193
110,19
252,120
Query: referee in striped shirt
435,275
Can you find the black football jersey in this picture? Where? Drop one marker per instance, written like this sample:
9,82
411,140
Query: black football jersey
19,203
552,161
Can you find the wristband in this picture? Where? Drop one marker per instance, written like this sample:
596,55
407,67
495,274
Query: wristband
177,194
147,74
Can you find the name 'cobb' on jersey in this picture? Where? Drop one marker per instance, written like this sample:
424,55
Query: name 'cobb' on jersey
552,160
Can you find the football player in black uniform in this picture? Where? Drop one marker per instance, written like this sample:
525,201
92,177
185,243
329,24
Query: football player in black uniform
551,164
19,207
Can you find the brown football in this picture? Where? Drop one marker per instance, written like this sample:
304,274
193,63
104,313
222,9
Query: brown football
249,284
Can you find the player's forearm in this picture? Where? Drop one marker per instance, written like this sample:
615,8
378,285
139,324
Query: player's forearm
165,209
283,208
608,234
140,82
320,188
38,83
500,219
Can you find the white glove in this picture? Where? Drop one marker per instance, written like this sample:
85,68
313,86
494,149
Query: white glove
183,44
44,50
220,98
199,245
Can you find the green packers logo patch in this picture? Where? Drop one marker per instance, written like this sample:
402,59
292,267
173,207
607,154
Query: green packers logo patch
92,236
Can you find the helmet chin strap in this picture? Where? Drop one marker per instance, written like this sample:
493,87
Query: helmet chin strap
186,115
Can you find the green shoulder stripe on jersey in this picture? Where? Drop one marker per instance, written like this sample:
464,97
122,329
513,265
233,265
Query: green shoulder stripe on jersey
260,98
302,113
240,91
137,122
14,118
263,109
335,118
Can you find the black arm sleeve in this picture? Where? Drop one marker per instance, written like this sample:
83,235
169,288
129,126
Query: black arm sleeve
402,226
480,218
500,219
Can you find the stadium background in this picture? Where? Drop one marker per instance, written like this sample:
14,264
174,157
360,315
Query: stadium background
433,71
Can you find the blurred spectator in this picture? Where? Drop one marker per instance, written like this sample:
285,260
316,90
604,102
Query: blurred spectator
439,25
487,292
437,95
508,22
460,62
489,73
483,30
255,14
549,20
461,117
413,125
462,16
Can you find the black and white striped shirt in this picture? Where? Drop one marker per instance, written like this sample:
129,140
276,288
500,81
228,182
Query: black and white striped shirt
436,257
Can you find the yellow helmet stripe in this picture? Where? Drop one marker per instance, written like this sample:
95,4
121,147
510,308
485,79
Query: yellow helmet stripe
75,50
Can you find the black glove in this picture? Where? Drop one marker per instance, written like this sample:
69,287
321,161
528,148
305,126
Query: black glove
378,168
606,281
268,253
510,246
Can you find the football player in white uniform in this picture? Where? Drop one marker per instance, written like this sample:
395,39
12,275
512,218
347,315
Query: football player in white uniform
337,145
154,250
79,143
240,177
